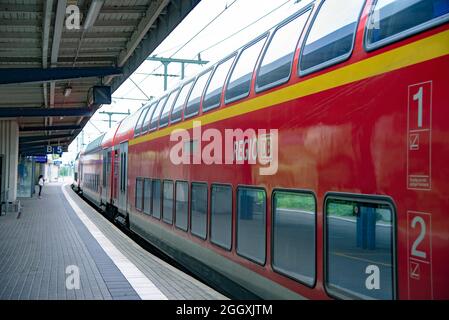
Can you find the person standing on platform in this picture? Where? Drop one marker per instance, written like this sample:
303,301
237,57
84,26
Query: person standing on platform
41,185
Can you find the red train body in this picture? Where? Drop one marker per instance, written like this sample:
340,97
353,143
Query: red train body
362,138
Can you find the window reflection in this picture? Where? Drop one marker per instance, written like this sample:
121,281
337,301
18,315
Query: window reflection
359,235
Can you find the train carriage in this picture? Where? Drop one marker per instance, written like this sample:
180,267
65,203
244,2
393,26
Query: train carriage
310,163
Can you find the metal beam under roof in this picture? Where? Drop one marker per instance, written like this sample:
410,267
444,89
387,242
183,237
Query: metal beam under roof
27,75
51,128
41,58
24,140
13,112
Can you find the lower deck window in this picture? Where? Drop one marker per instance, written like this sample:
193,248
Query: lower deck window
167,203
199,210
147,197
221,216
139,194
156,191
293,250
251,224
182,205
359,248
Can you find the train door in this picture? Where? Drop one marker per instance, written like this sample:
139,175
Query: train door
109,175
115,177
1,177
123,179
104,185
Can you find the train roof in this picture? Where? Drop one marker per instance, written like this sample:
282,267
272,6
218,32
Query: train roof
109,137
95,145
126,128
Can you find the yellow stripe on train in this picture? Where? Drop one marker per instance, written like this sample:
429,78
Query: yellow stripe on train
420,51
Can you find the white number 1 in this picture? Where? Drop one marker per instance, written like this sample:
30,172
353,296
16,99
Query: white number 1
419,97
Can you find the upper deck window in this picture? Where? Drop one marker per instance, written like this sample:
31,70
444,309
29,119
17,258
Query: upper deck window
178,107
193,105
331,37
277,62
212,98
239,83
146,123
157,112
138,128
392,20
166,112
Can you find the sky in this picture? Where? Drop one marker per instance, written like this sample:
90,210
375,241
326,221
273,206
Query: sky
227,24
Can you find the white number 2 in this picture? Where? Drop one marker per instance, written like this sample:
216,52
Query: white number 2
422,234
419,97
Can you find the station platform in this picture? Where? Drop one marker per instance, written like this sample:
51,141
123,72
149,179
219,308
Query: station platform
59,236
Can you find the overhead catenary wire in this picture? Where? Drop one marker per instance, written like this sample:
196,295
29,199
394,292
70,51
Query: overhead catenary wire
221,41
244,28
191,39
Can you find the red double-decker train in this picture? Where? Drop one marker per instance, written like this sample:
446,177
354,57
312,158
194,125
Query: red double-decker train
310,163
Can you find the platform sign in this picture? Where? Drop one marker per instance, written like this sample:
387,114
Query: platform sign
55,150
40,159
419,244
419,134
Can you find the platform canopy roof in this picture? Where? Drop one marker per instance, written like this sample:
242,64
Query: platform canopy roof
47,69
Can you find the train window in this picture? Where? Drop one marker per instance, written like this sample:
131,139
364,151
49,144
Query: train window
139,194
392,20
156,197
139,125
214,89
141,115
168,106
182,204
277,61
251,223
239,83
147,197
331,37
157,112
359,248
193,104
167,202
146,123
198,210
221,216
178,107
294,219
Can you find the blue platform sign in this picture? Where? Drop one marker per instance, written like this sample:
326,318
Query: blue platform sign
40,159
55,150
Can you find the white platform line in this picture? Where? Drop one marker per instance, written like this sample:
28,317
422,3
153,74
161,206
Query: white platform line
144,287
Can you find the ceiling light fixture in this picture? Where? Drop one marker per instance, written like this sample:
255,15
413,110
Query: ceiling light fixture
67,91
